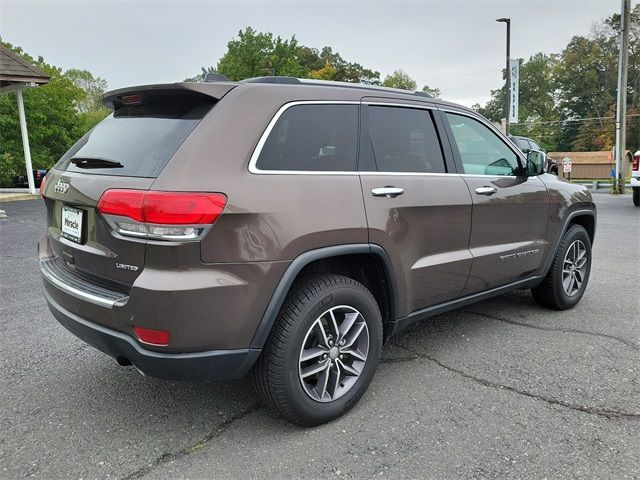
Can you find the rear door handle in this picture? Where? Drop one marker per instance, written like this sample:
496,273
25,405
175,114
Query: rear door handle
389,192
486,190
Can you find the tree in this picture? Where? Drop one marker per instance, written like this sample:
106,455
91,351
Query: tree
399,79
256,54
434,92
93,88
53,117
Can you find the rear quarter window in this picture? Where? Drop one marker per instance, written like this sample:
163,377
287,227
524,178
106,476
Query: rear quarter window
312,138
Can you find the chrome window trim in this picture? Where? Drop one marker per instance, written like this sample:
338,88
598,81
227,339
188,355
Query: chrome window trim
377,103
265,135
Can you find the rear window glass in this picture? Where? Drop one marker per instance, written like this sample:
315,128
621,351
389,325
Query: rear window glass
136,140
312,138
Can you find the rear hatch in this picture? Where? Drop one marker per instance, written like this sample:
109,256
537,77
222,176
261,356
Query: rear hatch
127,150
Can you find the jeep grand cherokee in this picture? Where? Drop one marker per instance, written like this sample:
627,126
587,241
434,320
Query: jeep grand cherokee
287,229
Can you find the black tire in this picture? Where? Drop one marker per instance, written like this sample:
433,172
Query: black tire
636,196
551,293
276,373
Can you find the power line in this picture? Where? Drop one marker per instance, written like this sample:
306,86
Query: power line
590,119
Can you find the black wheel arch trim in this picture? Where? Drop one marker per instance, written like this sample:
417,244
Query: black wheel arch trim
304,259
565,225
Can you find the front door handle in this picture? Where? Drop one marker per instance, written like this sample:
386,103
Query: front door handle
389,192
486,191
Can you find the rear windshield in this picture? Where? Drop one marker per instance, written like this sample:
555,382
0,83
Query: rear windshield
136,140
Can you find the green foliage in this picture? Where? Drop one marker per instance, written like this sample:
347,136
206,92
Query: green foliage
57,114
578,83
92,88
9,167
257,54
434,92
399,79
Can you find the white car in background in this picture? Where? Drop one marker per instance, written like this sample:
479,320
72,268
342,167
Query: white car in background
635,178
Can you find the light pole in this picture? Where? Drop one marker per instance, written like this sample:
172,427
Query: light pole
508,103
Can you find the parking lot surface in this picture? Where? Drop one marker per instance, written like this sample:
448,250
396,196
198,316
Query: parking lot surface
500,389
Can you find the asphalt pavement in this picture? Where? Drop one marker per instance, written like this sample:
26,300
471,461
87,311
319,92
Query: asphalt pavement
500,389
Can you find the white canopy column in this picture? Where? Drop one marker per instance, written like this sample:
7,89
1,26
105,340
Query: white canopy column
16,74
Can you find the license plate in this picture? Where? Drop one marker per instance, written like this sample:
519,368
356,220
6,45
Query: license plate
72,224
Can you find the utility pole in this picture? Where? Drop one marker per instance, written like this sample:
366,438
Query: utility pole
621,109
508,67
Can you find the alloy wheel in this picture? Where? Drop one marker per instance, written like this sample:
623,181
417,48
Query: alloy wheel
334,353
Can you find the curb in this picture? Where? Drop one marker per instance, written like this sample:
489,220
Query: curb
15,197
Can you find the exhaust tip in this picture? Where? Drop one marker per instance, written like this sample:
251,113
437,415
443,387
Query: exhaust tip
123,361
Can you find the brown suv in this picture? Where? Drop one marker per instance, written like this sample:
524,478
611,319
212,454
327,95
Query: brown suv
289,228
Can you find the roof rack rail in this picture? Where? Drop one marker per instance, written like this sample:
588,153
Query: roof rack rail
329,83
273,79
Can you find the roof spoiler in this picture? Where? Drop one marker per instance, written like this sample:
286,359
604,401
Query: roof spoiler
217,90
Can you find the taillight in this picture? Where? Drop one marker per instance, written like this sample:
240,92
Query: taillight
152,337
162,215
43,182
636,162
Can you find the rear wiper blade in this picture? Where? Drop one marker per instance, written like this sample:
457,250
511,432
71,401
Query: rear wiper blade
87,162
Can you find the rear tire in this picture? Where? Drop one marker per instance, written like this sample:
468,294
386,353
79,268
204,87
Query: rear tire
636,196
335,322
567,279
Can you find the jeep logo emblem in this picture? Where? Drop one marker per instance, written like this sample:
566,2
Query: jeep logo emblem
61,187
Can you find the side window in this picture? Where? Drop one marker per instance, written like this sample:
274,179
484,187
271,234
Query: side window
522,143
482,152
404,140
312,138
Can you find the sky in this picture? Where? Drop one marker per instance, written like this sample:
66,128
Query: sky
453,45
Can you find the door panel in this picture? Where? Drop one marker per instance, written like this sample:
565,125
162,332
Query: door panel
424,220
425,231
510,209
508,238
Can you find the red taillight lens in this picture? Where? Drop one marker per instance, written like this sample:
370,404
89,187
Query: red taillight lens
163,208
43,182
169,208
636,162
152,337
126,203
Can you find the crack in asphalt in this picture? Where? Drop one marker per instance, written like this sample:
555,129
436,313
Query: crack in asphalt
171,456
628,343
602,412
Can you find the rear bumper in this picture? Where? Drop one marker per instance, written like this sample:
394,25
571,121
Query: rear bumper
210,365
635,181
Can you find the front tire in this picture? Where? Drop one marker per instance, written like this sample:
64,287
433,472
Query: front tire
322,352
636,196
567,279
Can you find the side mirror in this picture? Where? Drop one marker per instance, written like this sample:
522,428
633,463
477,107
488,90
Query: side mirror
535,162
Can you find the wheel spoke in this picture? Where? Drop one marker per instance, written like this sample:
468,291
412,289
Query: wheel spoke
355,353
566,283
347,323
323,379
323,333
354,336
335,325
334,380
311,353
349,370
313,369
